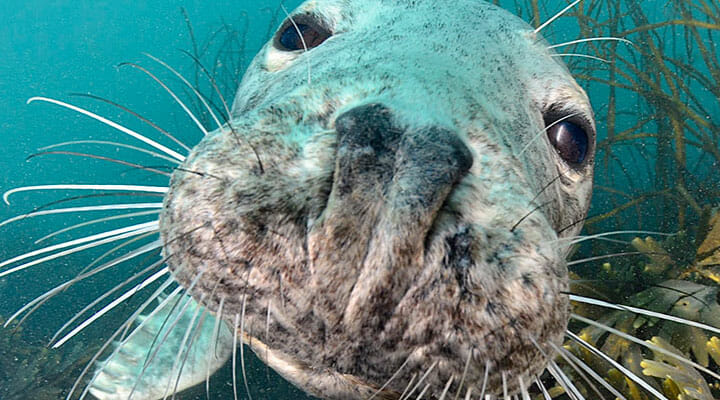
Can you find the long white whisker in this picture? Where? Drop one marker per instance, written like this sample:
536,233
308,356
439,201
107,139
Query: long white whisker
234,356
112,188
52,292
593,39
189,85
419,382
127,206
667,317
556,16
544,130
242,346
485,379
579,239
544,391
464,375
408,386
213,344
617,365
579,371
150,247
115,144
95,240
189,346
646,344
111,124
447,387
112,305
580,55
523,390
504,386
302,40
95,221
176,363
425,389
564,381
568,356
395,375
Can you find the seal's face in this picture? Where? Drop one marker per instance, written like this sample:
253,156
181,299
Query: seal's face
389,200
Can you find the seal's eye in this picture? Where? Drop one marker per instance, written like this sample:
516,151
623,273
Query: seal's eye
570,141
300,33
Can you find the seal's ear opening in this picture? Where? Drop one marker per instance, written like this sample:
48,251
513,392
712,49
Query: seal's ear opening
301,32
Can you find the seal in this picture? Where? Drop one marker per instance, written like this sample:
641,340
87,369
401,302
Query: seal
388,200
383,216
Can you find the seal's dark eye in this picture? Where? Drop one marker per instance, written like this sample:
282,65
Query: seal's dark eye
299,34
570,141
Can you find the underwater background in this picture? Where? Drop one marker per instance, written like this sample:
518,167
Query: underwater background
658,118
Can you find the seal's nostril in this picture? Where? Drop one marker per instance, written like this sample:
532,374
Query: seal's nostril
368,125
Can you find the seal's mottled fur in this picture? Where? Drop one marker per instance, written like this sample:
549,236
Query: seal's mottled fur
363,206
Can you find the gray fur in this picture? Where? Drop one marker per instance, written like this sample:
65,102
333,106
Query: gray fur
371,254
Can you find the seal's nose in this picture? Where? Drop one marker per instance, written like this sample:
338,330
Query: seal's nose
371,144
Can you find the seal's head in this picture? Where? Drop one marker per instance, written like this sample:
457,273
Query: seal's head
388,199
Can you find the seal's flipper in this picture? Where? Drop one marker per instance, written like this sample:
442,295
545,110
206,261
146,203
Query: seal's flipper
177,344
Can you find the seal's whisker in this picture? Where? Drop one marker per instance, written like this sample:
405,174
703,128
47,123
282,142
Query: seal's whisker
524,217
596,58
195,335
190,86
409,384
523,390
464,374
592,39
171,93
556,16
570,358
112,124
213,83
113,144
136,115
302,40
242,346
94,222
604,256
99,157
571,240
104,207
176,366
564,381
133,254
578,370
120,188
214,344
234,356
94,241
468,393
112,305
503,374
542,388
485,379
615,364
422,393
155,347
35,303
123,328
447,387
544,131
649,313
420,381
394,375
647,344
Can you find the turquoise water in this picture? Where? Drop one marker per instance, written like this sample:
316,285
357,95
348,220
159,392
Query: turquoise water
57,48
